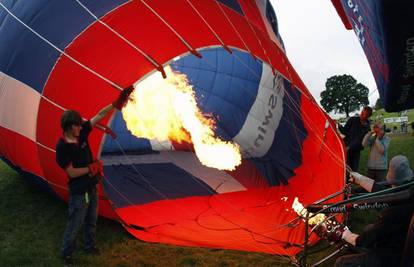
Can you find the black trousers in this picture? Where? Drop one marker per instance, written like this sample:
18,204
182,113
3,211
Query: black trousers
352,159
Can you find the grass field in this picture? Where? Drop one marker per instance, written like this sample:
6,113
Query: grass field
32,222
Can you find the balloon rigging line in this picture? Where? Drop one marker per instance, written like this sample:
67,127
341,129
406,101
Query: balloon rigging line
60,50
67,55
209,27
295,109
207,188
261,45
252,233
210,189
158,192
64,53
155,190
234,28
280,227
220,200
76,61
157,65
190,48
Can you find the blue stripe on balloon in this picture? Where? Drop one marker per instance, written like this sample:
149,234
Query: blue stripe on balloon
233,4
145,183
285,153
25,56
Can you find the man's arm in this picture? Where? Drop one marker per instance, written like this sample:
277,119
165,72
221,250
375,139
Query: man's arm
119,103
363,181
101,114
76,172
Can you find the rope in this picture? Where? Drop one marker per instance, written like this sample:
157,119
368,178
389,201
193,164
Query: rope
60,50
136,48
104,78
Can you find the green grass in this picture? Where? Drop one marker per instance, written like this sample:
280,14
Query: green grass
400,144
32,223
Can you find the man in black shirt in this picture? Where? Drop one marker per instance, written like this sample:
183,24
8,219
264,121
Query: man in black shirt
354,131
385,238
73,154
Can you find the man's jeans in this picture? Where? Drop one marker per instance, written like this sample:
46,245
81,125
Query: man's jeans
82,210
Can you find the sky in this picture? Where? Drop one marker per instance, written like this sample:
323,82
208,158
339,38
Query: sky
318,45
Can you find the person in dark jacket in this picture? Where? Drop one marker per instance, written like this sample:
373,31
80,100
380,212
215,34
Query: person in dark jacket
384,239
74,156
354,131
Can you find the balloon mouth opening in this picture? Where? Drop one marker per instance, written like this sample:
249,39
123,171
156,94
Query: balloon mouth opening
165,111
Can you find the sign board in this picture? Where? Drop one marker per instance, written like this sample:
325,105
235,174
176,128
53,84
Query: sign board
396,119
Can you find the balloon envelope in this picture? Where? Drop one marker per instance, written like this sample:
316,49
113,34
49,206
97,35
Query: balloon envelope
385,32
64,55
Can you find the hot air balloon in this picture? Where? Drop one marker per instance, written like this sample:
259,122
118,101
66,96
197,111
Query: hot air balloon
384,30
76,54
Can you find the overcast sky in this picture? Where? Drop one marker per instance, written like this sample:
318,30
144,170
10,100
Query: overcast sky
318,45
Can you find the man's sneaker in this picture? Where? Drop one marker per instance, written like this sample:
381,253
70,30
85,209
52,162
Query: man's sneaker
67,261
92,251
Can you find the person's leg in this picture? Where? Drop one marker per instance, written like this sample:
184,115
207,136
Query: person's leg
353,160
90,220
77,212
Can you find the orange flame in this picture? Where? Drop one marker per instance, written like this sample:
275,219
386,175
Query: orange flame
166,109
301,211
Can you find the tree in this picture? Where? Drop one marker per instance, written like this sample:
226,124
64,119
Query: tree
343,94
378,104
